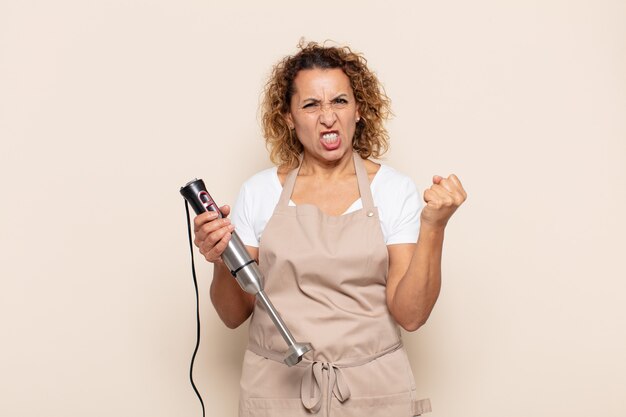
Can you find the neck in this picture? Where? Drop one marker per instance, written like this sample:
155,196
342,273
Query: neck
327,169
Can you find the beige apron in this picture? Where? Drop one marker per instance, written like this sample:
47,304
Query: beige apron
326,275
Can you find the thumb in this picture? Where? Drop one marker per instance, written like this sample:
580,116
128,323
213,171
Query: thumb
437,179
225,209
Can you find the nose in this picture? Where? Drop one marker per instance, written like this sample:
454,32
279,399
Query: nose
328,115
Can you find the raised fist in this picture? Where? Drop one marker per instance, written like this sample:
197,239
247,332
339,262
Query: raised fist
442,199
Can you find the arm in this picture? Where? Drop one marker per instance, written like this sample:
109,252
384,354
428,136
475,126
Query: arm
232,304
414,279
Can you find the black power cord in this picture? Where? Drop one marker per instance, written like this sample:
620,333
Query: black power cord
195,285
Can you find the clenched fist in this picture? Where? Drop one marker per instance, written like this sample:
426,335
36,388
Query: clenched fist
442,199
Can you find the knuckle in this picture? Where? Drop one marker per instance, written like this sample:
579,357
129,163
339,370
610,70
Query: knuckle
199,220
216,235
218,250
203,230
220,246
211,241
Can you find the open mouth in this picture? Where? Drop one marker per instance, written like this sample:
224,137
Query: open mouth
330,140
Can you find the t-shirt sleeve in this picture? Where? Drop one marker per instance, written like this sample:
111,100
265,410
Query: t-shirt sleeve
404,224
241,218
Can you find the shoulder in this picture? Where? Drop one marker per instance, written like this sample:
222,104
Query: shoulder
261,181
254,206
399,204
390,181
259,189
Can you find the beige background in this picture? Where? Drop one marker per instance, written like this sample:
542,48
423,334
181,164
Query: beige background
108,107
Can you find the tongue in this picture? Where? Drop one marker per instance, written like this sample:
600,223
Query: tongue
329,146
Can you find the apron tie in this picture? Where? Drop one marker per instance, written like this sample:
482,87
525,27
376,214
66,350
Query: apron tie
317,371
312,384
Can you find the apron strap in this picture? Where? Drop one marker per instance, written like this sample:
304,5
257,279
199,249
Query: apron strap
329,374
419,407
311,387
364,185
290,182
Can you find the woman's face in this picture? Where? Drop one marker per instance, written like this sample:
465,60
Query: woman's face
323,112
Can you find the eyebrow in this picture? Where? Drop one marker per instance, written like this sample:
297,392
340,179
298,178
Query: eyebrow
316,100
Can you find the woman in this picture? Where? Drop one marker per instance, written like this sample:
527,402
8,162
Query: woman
347,255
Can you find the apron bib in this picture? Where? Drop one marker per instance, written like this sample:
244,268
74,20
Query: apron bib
326,276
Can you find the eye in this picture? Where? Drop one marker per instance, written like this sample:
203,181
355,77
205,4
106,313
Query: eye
340,100
311,105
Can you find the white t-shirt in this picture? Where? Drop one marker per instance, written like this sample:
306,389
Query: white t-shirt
394,194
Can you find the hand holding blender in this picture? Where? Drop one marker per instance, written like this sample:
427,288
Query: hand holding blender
244,269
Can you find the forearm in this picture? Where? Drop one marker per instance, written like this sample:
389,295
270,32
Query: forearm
418,289
232,304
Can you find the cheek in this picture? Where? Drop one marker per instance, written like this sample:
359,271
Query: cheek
304,123
301,132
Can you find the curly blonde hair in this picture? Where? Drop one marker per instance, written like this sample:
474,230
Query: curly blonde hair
370,137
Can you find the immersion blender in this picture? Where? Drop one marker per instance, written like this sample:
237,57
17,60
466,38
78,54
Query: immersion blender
244,269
